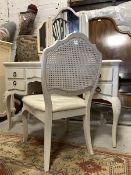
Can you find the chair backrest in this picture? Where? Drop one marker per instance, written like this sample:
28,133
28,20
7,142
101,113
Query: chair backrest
71,66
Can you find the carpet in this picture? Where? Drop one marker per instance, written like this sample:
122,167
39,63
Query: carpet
17,158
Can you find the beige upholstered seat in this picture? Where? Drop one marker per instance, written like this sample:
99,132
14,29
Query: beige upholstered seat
59,102
69,68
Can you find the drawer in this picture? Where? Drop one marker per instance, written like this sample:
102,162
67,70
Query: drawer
16,85
33,73
106,74
15,73
104,88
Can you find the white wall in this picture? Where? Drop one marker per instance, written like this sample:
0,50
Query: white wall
11,8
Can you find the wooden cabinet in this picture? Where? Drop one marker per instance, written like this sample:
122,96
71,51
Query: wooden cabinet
20,74
114,44
105,85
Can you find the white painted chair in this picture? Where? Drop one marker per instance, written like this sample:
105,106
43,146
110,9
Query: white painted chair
70,67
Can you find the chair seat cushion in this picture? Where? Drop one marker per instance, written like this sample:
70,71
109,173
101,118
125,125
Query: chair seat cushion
59,103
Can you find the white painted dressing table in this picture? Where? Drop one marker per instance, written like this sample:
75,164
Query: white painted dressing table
20,74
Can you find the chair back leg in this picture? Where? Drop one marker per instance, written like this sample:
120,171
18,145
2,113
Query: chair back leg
86,126
25,116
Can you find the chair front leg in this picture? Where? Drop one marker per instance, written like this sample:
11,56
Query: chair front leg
47,144
86,126
116,107
25,115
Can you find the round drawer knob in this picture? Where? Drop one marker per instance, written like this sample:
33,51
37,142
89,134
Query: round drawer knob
14,83
98,89
14,74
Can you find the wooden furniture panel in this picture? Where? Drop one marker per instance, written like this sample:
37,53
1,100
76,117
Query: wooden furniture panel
106,74
104,88
79,5
32,73
16,84
17,73
113,44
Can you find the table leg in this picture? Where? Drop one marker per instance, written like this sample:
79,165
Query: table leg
116,107
10,109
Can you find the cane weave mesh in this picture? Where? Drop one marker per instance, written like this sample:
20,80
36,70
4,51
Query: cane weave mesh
72,65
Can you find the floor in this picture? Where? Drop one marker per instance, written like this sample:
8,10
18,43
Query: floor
100,133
